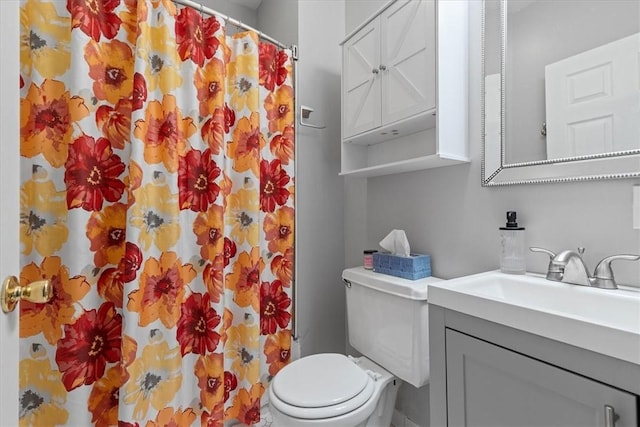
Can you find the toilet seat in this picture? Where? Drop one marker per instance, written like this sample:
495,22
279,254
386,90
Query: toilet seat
321,386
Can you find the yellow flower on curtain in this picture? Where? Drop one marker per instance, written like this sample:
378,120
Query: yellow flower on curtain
246,405
106,230
43,216
134,13
111,68
102,404
42,395
168,417
277,348
246,145
242,213
168,5
158,49
155,215
278,228
242,346
164,132
154,379
210,372
209,81
279,106
47,118
242,82
282,145
49,318
162,290
244,281
44,39
282,267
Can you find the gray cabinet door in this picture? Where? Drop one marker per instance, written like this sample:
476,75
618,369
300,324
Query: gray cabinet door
491,386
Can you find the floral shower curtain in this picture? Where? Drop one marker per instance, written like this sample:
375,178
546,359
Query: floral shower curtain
157,197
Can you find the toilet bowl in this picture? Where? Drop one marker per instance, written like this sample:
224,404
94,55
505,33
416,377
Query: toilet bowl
333,390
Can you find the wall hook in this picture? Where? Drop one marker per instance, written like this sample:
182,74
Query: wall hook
305,112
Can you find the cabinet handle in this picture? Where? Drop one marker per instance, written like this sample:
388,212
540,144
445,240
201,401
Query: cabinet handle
383,67
375,71
610,416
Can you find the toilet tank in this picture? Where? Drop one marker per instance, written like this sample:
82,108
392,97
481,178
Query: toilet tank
388,321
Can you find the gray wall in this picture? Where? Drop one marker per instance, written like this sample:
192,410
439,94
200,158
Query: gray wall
241,13
321,311
447,214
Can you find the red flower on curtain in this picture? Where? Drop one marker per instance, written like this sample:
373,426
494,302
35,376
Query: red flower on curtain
282,145
230,384
196,37
196,325
95,17
131,262
92,174
272,66
115,122
274,303
112,280
229,250
229,118
139,95
88,344
197,173
273,181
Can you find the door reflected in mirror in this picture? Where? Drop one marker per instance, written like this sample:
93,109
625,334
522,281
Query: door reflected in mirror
561,82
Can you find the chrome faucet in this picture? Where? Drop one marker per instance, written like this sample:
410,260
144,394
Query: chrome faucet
569,267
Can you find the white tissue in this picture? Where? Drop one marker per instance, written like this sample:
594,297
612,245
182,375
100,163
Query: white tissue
396,242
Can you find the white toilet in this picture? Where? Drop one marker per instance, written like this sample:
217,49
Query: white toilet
387,321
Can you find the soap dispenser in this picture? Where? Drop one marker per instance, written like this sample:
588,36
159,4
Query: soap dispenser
512,254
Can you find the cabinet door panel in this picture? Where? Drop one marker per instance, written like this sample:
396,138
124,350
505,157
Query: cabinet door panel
488,385
361,86
408,54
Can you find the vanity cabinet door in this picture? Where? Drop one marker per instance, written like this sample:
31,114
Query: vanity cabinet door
488,385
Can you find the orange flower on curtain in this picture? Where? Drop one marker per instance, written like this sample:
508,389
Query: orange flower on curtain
158,200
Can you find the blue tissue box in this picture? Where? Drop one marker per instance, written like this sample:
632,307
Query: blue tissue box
413,267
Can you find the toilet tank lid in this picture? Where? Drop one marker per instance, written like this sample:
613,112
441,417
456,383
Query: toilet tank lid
404,288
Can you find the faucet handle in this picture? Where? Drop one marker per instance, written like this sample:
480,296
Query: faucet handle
553,273
543,250
603,274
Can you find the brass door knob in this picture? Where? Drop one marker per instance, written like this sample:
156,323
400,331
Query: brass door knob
11,292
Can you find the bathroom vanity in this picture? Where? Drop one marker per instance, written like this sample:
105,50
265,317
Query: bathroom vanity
524,351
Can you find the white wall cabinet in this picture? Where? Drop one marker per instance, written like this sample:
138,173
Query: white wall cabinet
396,66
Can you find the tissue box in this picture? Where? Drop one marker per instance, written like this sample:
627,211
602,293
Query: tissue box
413,267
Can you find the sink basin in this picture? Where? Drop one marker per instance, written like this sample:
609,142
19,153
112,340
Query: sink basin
602,320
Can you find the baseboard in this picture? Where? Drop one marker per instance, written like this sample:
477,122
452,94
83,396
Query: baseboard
401,420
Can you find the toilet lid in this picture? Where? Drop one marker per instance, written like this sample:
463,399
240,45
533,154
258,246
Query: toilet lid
320,380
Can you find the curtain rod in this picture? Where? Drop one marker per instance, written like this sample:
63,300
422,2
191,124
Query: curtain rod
209,11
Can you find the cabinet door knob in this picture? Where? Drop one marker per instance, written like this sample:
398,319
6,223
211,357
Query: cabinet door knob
383,67
610,416
375,71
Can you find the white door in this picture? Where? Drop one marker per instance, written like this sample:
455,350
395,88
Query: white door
9,202
592,100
